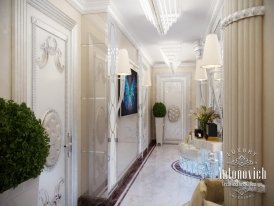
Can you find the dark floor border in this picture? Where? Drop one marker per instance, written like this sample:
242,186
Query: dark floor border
122,184
86,200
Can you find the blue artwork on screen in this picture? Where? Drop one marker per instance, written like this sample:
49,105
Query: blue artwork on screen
130,100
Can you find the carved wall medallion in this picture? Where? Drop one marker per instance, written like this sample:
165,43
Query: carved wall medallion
50,48
52,124
173,113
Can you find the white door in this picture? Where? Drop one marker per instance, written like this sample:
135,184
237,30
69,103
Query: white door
173,97
48,50
175,91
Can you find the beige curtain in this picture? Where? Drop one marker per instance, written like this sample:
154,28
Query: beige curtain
243,69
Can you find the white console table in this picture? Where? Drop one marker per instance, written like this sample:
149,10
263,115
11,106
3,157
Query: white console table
208,145
202,157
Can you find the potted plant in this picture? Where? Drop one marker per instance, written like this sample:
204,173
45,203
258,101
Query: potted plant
205,115
24,147
159,112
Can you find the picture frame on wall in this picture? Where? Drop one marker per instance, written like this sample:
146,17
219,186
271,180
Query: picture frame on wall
130,100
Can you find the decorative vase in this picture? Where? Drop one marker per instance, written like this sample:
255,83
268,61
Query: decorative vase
202,126
159,124
25,193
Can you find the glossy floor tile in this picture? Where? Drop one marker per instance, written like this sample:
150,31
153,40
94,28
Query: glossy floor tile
158,184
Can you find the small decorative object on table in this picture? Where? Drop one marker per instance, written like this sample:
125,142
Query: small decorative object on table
205,115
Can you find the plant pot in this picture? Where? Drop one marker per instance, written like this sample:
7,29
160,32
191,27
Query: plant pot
25,193
202,126
159,125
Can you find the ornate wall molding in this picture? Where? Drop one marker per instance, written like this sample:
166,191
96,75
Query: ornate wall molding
245,13
198,48
53,125
55,200
50,48
19,40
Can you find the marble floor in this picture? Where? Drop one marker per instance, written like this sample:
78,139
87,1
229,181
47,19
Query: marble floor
157,184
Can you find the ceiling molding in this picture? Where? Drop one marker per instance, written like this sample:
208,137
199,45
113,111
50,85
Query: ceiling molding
161,65
99,6
90,6
120,23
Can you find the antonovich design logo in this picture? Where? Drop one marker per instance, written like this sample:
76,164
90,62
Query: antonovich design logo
243,174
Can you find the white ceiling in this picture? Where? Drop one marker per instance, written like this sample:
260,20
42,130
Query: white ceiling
192,26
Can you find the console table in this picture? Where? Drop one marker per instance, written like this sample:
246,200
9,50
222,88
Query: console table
201,157
208,145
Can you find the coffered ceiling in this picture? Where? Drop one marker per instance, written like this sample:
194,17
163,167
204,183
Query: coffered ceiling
193,25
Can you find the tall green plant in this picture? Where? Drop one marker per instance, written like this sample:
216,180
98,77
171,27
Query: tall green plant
159,109
204,115
24,144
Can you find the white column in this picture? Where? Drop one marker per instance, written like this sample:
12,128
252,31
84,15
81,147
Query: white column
243,69
19,48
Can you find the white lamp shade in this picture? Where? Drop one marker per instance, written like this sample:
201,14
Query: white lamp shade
147,79
200,73
212,52
123,66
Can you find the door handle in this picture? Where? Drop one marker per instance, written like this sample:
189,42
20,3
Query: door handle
68,145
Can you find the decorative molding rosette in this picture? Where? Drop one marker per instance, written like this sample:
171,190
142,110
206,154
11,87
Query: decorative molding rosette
173,113
50,48
246,13
52,124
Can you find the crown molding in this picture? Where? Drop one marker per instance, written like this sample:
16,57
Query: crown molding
119,20
90,6
54,13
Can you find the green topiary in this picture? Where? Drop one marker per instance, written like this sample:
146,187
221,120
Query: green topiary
159,109
24,144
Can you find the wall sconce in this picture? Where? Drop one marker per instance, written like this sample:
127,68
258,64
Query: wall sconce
122,69
212,53
200,75
212,60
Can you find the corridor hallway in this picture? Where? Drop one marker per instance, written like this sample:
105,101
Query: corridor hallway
157,184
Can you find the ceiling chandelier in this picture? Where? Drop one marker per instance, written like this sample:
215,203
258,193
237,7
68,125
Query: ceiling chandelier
162,13
170,52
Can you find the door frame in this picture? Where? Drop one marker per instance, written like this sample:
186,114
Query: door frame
20,90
